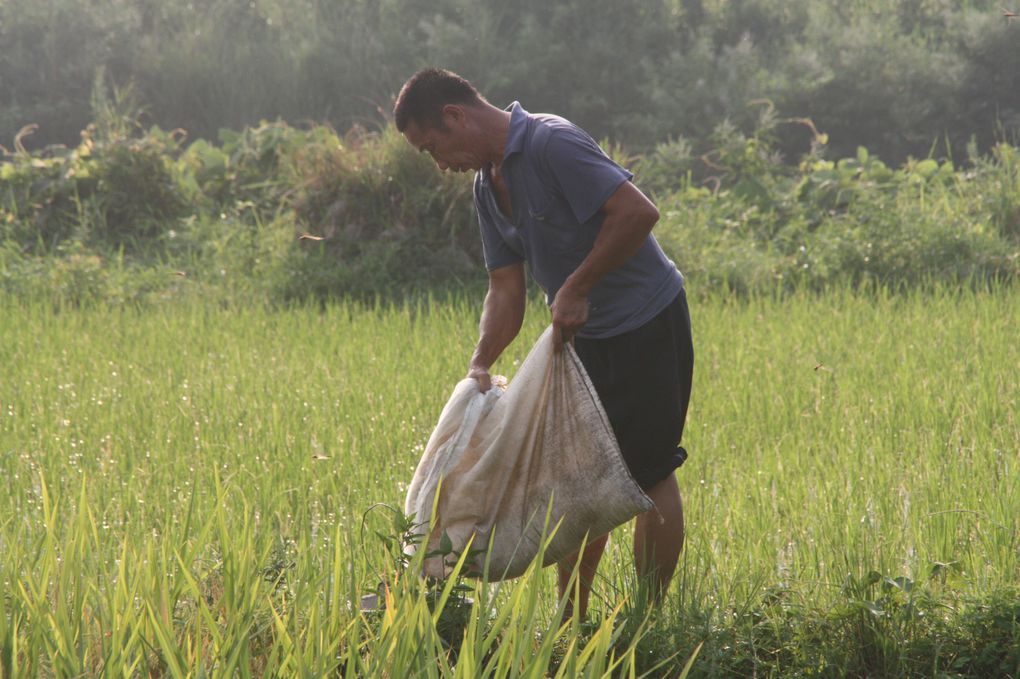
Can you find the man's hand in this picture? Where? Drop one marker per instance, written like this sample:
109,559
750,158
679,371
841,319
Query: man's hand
569,313
483,377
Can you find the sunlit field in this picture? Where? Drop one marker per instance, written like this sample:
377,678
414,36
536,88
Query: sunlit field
191,491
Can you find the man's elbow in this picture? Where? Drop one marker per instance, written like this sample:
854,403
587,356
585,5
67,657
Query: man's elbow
650,215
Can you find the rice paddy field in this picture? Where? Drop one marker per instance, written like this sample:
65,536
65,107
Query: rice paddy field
190,490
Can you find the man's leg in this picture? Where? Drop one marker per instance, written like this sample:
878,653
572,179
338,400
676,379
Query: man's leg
657,542
585,573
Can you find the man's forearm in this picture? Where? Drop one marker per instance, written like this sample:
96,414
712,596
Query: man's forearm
502,316
619,239
629,218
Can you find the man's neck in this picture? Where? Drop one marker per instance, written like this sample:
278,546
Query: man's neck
495,127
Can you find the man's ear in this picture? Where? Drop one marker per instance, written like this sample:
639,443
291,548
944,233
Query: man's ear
454,115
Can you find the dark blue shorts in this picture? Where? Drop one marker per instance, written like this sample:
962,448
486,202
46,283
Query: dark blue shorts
643,378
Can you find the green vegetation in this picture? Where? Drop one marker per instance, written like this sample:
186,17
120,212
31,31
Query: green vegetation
281,213
896,76
185,487
131,215
226,330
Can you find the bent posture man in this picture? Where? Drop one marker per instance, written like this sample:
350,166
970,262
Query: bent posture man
547,195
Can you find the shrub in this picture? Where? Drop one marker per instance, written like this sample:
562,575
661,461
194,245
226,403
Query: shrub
307,213
138,195
383,217
120,191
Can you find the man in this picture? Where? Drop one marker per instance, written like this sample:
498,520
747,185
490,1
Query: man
547,195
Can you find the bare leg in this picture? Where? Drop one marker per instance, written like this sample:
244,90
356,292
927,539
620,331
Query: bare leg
657,542
586,574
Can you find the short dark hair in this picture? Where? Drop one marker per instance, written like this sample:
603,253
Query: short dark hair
423,96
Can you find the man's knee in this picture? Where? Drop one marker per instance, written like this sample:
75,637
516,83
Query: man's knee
592,548
666,496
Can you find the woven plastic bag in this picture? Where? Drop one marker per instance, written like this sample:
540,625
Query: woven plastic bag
504,459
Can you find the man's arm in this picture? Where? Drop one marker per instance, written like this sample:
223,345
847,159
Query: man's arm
629,218
502,316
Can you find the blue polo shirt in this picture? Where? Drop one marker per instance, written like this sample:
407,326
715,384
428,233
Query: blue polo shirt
558,179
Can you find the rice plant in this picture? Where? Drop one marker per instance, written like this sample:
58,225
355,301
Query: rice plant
186,492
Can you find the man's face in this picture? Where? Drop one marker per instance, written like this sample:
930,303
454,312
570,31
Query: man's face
452,148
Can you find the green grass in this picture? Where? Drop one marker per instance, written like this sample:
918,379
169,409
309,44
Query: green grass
183,488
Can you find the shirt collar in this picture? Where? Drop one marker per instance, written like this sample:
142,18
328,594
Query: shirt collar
518,126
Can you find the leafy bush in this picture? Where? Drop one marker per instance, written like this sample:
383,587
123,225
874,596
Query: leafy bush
387,218
852,221
118,187
40,199
293,213
138,195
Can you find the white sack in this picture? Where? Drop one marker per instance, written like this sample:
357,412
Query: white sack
502,455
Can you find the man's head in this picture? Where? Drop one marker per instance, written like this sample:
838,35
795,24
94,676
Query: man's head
427,92
435,111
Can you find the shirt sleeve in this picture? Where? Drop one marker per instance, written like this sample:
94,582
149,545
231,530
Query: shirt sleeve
495,250
586,176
